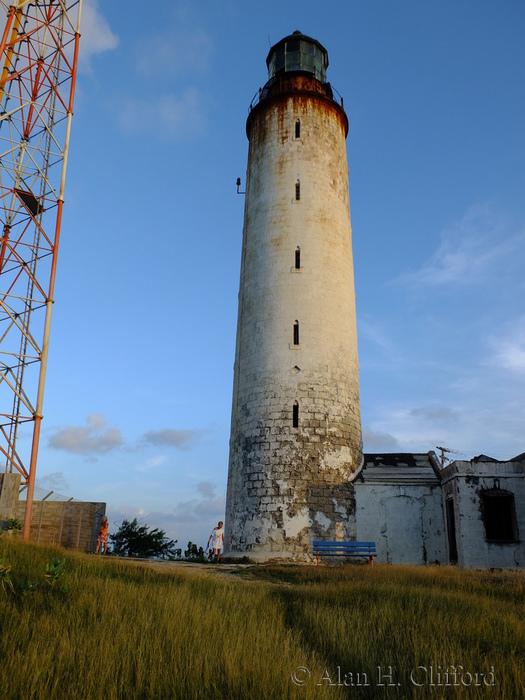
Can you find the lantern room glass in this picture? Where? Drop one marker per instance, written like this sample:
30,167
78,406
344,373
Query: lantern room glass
298,54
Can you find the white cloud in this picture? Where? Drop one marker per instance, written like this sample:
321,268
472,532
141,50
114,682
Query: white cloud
198,510
206,488
480,419
151,464
509,352
190,520
97,421
434,414
171,437
91,439
458,376
469,250
512,356
55,481
96,35
175,118
374,333
181,52
377,441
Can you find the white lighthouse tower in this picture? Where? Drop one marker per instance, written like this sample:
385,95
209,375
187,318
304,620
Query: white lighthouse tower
295,441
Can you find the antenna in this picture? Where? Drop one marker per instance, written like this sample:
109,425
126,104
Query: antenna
449,451
238,185
38,55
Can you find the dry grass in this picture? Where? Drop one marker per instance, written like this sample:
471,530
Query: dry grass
128,631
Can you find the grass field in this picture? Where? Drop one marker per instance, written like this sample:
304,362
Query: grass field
117,630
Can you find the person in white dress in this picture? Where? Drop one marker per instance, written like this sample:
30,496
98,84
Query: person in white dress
217,541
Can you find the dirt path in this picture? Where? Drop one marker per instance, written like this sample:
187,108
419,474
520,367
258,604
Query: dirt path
185,567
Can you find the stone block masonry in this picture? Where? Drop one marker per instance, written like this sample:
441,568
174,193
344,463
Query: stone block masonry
296,428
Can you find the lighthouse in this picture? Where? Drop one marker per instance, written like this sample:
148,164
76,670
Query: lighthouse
295,443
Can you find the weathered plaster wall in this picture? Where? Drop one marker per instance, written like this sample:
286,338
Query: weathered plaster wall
9,489
286,485
406,522
464,482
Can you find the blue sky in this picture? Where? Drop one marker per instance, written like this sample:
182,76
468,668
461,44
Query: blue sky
139,383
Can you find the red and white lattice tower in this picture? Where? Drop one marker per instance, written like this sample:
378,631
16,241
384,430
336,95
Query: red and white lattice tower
38,58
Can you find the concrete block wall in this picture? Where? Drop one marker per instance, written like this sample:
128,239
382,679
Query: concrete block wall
71,524
9,490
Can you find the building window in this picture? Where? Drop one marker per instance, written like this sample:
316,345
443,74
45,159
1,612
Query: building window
296,333
295,415
297,190
451,529
499,515
297,258
298,129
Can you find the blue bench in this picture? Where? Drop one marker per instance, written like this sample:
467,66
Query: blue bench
345,549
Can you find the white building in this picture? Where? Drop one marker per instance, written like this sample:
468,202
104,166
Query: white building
469,513
484,504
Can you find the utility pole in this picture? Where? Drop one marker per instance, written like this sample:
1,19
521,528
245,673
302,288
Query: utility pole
442,456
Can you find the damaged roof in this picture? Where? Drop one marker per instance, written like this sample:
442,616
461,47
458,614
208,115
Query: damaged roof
401,467
484,458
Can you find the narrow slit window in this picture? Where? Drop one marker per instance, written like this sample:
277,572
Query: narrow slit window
298,129
297,258
295,415
297,190
451,530
296,333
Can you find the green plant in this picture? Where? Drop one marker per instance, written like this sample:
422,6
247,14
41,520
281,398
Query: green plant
134,540
194,553
5,574
30,587
54,570
14,524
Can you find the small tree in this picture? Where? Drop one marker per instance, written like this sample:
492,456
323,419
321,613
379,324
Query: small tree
194,553
134,540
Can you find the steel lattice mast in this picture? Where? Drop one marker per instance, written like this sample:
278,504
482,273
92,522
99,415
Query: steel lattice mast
38,58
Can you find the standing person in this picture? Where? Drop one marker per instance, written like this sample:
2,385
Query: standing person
217,541
103,536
